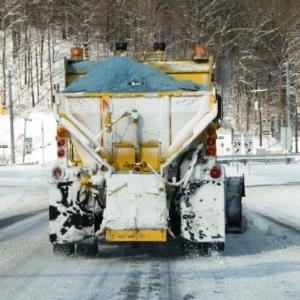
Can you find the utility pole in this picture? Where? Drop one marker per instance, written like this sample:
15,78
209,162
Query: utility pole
296,126
296,121
288,92
43,144
260,121
11,116
288,103
24,140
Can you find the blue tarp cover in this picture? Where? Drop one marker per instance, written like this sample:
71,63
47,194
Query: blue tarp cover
123,75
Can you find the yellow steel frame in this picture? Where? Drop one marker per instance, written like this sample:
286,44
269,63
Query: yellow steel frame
123,155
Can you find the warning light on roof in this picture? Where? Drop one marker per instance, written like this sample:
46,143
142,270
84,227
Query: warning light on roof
200,52
77,53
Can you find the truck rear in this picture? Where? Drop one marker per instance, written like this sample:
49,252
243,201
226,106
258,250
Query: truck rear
136,155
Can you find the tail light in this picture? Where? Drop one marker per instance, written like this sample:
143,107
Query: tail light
215,172
57,173
61,153
62,147
61,142
211,149
211,141
211,130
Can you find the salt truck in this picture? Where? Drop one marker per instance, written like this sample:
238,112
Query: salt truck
136,154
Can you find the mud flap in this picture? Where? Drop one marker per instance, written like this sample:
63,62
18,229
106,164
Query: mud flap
69,220
234,191
202,212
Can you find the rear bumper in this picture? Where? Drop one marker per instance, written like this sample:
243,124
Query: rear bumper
136,235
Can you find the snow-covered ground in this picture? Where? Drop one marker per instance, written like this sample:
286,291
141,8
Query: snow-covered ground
262,263
34,124
23,189
266,174
279,203
284,205
33,180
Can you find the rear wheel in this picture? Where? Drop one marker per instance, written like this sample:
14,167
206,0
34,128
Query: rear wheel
203,249
88,247
64,249
234,192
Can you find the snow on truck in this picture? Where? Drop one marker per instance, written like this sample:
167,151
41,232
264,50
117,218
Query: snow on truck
136,154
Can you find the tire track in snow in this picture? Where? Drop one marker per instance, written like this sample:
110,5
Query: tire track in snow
149,278
289,224
169,282
14,219
160,282
99,285
132,287
23,227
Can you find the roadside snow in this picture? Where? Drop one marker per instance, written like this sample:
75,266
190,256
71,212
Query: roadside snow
266,174
262,263
23,189
19,175
280,203
272,190
33,130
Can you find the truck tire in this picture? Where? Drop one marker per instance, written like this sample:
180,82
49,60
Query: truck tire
64,249
203,249
88,248
234,191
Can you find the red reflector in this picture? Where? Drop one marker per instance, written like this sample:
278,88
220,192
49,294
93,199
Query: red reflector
56,173
61,153
211,141
211,131
215,172
211,151
61,142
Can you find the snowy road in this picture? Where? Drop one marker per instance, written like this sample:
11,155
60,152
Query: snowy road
262,263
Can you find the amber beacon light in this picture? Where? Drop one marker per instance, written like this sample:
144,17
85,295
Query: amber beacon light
77,52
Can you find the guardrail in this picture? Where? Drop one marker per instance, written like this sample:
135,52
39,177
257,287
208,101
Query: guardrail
267,158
